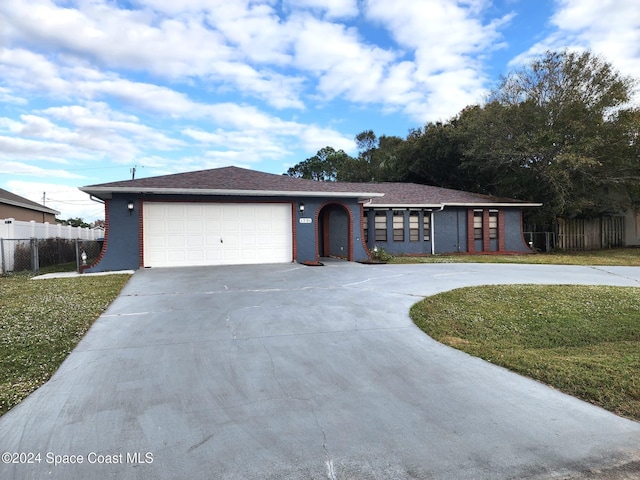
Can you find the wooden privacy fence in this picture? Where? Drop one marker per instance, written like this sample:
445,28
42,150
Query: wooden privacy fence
590,233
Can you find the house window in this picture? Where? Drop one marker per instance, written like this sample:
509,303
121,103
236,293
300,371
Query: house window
381,226
365,226
493,224
477,224
426,223
398,226
414,226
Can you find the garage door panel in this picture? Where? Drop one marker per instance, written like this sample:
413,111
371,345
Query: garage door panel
183,234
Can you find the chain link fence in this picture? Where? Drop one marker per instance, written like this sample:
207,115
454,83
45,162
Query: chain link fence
34,254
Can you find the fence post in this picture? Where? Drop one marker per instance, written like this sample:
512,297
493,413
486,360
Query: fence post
33,244
2,254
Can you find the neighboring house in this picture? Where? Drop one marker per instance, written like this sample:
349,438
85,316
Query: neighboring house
21,209
236,216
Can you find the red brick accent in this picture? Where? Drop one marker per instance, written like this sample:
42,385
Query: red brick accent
364,243
141,233
471,245
294,232
349,228
106,239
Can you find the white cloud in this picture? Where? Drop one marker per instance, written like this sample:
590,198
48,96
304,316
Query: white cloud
344,65
177,48
442,40
610,28
193,83
332,9
249,145
31,72
12,148
27,169
69,201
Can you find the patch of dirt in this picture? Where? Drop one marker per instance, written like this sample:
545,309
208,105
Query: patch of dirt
627,471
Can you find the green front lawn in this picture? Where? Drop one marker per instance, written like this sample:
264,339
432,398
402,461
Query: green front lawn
41,321
612,257
582,340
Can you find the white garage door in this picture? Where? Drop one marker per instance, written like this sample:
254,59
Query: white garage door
190,234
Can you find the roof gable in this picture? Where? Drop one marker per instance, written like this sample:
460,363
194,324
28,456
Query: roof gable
14,200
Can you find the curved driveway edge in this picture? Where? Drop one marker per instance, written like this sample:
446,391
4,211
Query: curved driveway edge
287,371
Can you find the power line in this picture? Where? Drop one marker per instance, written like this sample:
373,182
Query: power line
31,172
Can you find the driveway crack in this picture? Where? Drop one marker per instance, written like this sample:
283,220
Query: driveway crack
614,274
273,370
331,472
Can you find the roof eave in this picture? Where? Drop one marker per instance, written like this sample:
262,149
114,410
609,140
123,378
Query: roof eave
451,204
106,193
41,208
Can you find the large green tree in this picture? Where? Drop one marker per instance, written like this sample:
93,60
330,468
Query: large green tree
324,166
431,155
376,160
559,130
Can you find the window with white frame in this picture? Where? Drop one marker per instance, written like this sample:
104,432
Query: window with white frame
414,226
426,225
493,224
380,221
398,225
477,224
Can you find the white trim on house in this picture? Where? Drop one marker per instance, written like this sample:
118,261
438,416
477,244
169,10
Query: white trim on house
448,204
36,208
226,192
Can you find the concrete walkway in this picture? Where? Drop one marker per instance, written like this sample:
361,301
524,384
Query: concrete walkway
294,372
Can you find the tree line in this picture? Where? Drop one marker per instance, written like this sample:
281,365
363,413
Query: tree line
562,130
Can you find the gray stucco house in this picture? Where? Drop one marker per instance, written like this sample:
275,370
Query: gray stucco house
232,215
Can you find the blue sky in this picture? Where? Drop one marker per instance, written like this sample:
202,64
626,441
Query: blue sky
91,88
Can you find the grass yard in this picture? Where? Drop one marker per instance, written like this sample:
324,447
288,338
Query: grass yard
611,257
41,321
582,340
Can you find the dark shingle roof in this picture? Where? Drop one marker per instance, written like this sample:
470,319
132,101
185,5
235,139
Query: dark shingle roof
226,178
240,181
417,194
9,198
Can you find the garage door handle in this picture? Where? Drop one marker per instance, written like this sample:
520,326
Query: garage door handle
221,240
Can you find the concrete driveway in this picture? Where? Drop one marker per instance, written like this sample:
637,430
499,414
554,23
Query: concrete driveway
287,371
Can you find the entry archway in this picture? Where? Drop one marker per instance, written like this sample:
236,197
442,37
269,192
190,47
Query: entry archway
334,234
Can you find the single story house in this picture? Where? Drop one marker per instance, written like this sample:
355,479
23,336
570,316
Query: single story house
232,215
24,210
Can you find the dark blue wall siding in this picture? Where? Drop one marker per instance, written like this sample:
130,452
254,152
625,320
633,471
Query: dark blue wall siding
310,235
448,229
514,240
448,233
338,232
123,243
406,247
